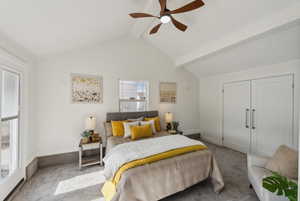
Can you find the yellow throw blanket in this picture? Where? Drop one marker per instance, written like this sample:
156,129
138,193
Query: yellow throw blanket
109,189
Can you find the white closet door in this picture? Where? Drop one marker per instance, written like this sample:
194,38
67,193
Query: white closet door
236,131
272,114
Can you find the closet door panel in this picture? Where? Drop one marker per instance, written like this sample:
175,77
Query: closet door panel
272,114
236,132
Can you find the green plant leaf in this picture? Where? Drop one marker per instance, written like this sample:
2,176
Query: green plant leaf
281,186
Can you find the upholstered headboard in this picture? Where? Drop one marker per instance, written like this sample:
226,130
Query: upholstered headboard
118,116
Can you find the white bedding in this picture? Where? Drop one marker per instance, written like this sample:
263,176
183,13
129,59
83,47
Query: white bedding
127,152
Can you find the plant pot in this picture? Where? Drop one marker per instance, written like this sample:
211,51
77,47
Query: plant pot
85,140
95,137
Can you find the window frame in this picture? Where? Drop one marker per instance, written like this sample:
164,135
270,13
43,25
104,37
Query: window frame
146,100
18,162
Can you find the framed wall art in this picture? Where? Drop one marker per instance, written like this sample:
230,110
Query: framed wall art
87,89
168,92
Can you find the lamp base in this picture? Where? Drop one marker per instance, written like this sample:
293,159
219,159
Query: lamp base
91,136
169,126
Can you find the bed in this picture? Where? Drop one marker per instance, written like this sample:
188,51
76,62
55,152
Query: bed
156,180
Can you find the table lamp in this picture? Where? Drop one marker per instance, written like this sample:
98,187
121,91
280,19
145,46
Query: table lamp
168,120
90,124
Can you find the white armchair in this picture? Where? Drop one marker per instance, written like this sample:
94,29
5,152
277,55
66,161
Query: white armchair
256,173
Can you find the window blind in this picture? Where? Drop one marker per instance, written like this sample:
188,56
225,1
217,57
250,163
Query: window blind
133,96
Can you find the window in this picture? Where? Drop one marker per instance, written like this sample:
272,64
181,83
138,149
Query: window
133,96
9,113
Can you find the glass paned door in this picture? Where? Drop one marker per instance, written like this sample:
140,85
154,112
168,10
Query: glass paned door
9,129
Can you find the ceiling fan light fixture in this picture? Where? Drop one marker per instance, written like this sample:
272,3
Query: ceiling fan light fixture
165,19
166,15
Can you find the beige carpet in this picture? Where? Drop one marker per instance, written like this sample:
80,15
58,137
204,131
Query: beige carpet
67,183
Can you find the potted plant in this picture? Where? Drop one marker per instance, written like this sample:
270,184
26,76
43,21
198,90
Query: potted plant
175,125
281,186
86,137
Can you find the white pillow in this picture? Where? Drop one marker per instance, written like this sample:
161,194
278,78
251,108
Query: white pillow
127,125
137,119
151,122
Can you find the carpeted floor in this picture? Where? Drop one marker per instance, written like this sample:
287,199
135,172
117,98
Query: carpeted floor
67,183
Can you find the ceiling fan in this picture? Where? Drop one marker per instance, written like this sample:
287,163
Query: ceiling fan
166,14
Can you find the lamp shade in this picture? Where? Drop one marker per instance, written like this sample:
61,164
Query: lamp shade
168,117
90,123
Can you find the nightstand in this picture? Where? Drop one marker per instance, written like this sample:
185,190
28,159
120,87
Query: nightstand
174,132
91,160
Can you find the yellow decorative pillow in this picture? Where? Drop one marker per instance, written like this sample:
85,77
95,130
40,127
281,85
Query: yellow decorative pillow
138,132
117,128
156,122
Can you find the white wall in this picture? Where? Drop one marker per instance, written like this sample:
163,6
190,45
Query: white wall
59,123
210,96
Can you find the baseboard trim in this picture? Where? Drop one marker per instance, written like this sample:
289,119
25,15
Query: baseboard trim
41,162
212,140
191,131
72,157
64,158
31,168
57,159
15,191
30,171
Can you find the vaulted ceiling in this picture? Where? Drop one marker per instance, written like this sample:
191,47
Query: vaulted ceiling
216,19
277,46
216,22
51,27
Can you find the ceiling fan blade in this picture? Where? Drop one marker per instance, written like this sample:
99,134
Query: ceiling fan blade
189,7
179,25
163,5
140,15
155,29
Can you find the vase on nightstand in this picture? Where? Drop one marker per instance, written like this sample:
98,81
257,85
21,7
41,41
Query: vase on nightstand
85,140
95,137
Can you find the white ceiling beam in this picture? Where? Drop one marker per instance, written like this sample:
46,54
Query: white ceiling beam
287,16
142,25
